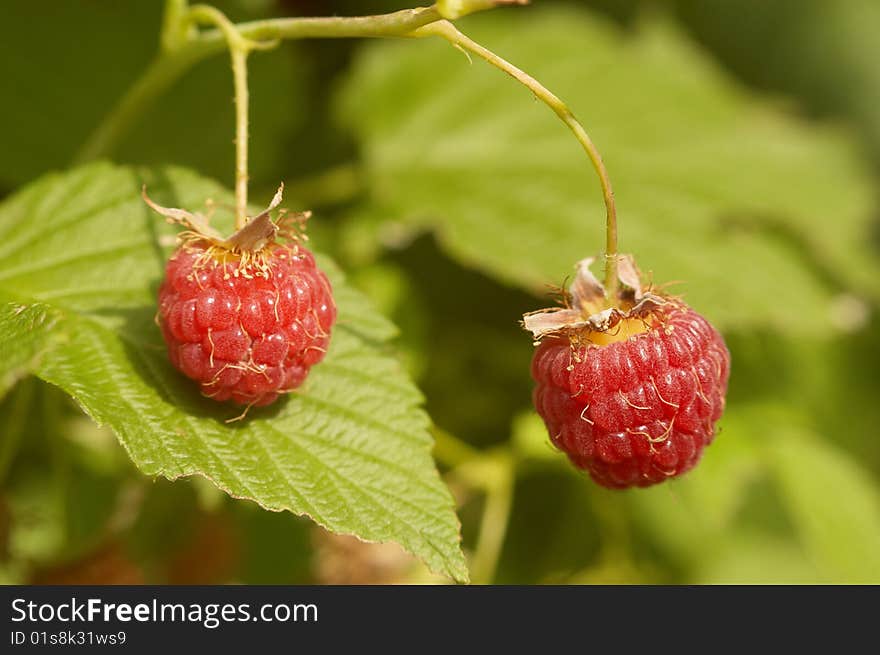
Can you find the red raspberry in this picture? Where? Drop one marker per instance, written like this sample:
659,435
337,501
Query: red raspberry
246,334
245,316
632,398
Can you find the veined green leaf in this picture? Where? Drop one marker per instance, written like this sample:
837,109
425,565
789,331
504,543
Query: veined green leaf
26,330
351,449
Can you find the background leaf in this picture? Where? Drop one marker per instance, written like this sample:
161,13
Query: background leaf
833,503
351,450
825,52
748,205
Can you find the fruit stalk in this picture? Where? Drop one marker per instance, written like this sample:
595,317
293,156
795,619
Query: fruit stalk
448,31
239,49
239,72
183,49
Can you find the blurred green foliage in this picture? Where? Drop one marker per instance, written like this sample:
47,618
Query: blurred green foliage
397,147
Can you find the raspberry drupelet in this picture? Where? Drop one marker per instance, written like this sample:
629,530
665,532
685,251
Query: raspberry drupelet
245,317
632,393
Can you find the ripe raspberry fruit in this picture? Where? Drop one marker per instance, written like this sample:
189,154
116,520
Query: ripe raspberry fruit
245,317
630,393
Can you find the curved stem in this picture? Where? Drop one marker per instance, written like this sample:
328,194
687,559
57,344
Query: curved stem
182,50
449,32
174,61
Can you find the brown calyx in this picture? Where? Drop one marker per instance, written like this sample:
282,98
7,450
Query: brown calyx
590,317
258,233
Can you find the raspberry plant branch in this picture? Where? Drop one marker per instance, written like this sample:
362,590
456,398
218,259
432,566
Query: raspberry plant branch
239,49
175,29
182,48
448,31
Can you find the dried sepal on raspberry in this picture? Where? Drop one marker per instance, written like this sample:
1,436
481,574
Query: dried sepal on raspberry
587,307
245,316
245,243
630,388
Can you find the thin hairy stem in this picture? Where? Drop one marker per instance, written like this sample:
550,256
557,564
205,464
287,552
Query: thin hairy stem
179,55
182,49
239,71
448,31
239,49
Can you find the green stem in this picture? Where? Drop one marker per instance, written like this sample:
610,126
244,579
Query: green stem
171,64
447,30
494,522
175,31
452,451
239,72
239,49
182,50
494,472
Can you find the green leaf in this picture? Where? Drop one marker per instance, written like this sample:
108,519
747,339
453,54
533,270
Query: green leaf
816,379
827,52
834,503
26,331
747,204
351,450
